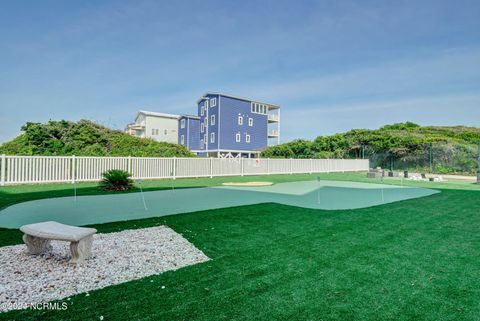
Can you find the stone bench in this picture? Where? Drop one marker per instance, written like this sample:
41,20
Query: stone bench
37,237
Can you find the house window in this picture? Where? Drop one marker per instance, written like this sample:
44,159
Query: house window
247,138
206,121
182,140
237,137
206,104
212,138
213,102
153,131
205,139
212,120
182,123
259,108
250,121
202,128
240,120
165,132
202,111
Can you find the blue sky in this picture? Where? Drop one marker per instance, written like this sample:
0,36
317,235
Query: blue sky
331,65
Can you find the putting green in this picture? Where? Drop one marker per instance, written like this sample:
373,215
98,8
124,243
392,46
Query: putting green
328,195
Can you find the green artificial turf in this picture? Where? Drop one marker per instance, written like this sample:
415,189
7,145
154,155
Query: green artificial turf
411,260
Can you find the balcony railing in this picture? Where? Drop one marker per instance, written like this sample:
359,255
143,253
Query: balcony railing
273,118
273,133
137,126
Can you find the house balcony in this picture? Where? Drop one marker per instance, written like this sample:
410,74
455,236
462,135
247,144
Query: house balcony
140,126
273,118
273,133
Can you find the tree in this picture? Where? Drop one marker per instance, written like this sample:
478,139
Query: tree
406,144
86,138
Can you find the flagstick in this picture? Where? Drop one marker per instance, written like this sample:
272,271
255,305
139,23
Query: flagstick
318,190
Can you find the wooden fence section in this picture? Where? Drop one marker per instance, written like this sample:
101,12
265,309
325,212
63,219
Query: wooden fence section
55,169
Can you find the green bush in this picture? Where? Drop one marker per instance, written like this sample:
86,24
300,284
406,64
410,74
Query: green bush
399,146
86,138
116,180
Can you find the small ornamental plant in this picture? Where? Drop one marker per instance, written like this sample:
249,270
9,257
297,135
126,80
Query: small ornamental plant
116,180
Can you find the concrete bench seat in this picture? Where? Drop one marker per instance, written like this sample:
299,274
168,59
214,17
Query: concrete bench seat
37,237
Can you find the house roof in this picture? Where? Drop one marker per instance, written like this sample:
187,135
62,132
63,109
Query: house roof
189,116
155,114
272,106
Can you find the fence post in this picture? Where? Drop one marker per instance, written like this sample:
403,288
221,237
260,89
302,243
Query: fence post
478,164
291,166
430,157
241,162
268,166
129,164
74,169
4,160
211,167
174,170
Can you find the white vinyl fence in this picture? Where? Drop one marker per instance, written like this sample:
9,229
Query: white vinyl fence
51,169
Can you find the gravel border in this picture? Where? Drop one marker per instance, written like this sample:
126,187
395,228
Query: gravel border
117,258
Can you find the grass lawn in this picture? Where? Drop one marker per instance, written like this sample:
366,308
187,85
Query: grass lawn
411,260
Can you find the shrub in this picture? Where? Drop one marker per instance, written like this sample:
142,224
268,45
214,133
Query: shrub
86,138
116,180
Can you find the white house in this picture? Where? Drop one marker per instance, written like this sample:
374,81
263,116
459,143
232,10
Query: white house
158,126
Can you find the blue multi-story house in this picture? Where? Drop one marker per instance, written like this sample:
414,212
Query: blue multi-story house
232,126
225,126
189,131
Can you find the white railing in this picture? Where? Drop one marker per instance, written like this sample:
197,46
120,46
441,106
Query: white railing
272,117
273,133
55,169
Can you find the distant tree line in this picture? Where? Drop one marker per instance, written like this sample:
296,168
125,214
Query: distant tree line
402,145
86,138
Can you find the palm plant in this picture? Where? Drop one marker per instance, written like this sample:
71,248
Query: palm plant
116,180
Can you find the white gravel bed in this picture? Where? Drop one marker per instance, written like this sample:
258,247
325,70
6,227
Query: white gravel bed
116,258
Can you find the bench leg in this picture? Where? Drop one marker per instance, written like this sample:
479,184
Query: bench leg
36,245
81,250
